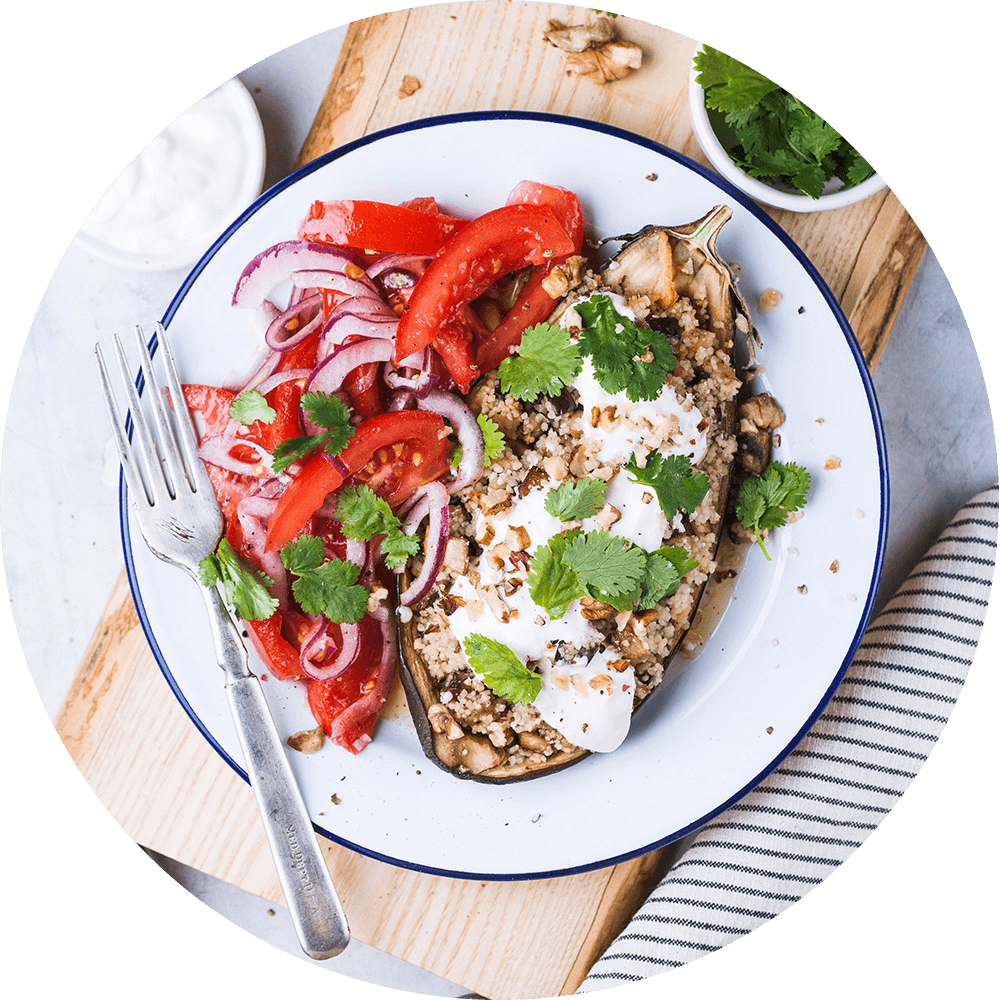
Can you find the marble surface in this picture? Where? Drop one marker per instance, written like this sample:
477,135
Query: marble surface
58,505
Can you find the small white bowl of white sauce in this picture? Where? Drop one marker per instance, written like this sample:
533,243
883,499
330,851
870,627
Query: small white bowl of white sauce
182,191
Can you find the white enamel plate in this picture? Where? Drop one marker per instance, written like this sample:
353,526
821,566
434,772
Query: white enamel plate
723,719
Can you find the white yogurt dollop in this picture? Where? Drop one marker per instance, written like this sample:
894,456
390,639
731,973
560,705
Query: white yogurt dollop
184,188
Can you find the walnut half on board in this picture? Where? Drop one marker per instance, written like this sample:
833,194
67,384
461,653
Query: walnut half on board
593,50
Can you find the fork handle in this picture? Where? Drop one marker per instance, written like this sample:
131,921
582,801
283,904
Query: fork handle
312,901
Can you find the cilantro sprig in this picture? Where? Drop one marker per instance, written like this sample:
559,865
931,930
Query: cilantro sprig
626,358
250,406
501,670
775,137
330,413
577,564
364,515
546,361
765,501
676,485
324,586
576,499
246,590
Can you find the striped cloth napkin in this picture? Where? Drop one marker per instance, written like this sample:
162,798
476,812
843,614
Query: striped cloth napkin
786,836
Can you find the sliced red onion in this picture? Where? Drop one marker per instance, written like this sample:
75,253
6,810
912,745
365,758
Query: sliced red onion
436,541
306,314
470,435
401,400
355,284
414,264
217,450
251,512
329,376
279,378
317,646
357,552
273,265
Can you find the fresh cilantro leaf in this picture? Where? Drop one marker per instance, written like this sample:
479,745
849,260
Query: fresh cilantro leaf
605,562
250,406
397,547
330,413
626,358
501,669
546,361
729,84
245,589
676,485
552,583
302,554
664,569
765,501
365,515
775,137
679,557
327,588
493,441
576,499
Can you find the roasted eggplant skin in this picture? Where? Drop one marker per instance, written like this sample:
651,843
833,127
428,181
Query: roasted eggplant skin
661,262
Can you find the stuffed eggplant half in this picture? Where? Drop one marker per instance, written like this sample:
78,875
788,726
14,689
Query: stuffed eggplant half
574,566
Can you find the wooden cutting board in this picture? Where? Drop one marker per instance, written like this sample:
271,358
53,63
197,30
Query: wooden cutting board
138,749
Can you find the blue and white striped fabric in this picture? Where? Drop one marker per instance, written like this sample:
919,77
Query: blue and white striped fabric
787,835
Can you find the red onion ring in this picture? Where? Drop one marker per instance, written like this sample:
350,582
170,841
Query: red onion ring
307,314
402,400
288,375
217,450
470,435
329,375
415,264
436,540
251,513
356,285
273,265
316,648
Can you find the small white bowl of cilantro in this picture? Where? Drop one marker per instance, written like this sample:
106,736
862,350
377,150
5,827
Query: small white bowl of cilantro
768,143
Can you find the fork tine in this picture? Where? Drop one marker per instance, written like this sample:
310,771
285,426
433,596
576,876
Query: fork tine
186,437
143,440
169,450
133,479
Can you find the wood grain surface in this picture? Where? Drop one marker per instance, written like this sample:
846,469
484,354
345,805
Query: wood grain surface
131,738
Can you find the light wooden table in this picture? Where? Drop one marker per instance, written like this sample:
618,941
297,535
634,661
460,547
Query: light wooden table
138,749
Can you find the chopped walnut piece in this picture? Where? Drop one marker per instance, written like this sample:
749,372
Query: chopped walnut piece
456,556
593,51
564,277
834,566
307,741
594,610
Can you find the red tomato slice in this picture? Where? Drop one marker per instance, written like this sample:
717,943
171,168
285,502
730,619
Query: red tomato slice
318,478
506,239
373,225
534,303
347,707
274,649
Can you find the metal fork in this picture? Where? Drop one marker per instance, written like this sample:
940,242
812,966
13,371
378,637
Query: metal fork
180,520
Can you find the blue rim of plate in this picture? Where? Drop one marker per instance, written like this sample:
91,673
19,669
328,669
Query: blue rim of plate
803,261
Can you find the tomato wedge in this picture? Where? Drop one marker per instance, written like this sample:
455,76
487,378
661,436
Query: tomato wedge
320,477
506,239
534,303
347,707
374,225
